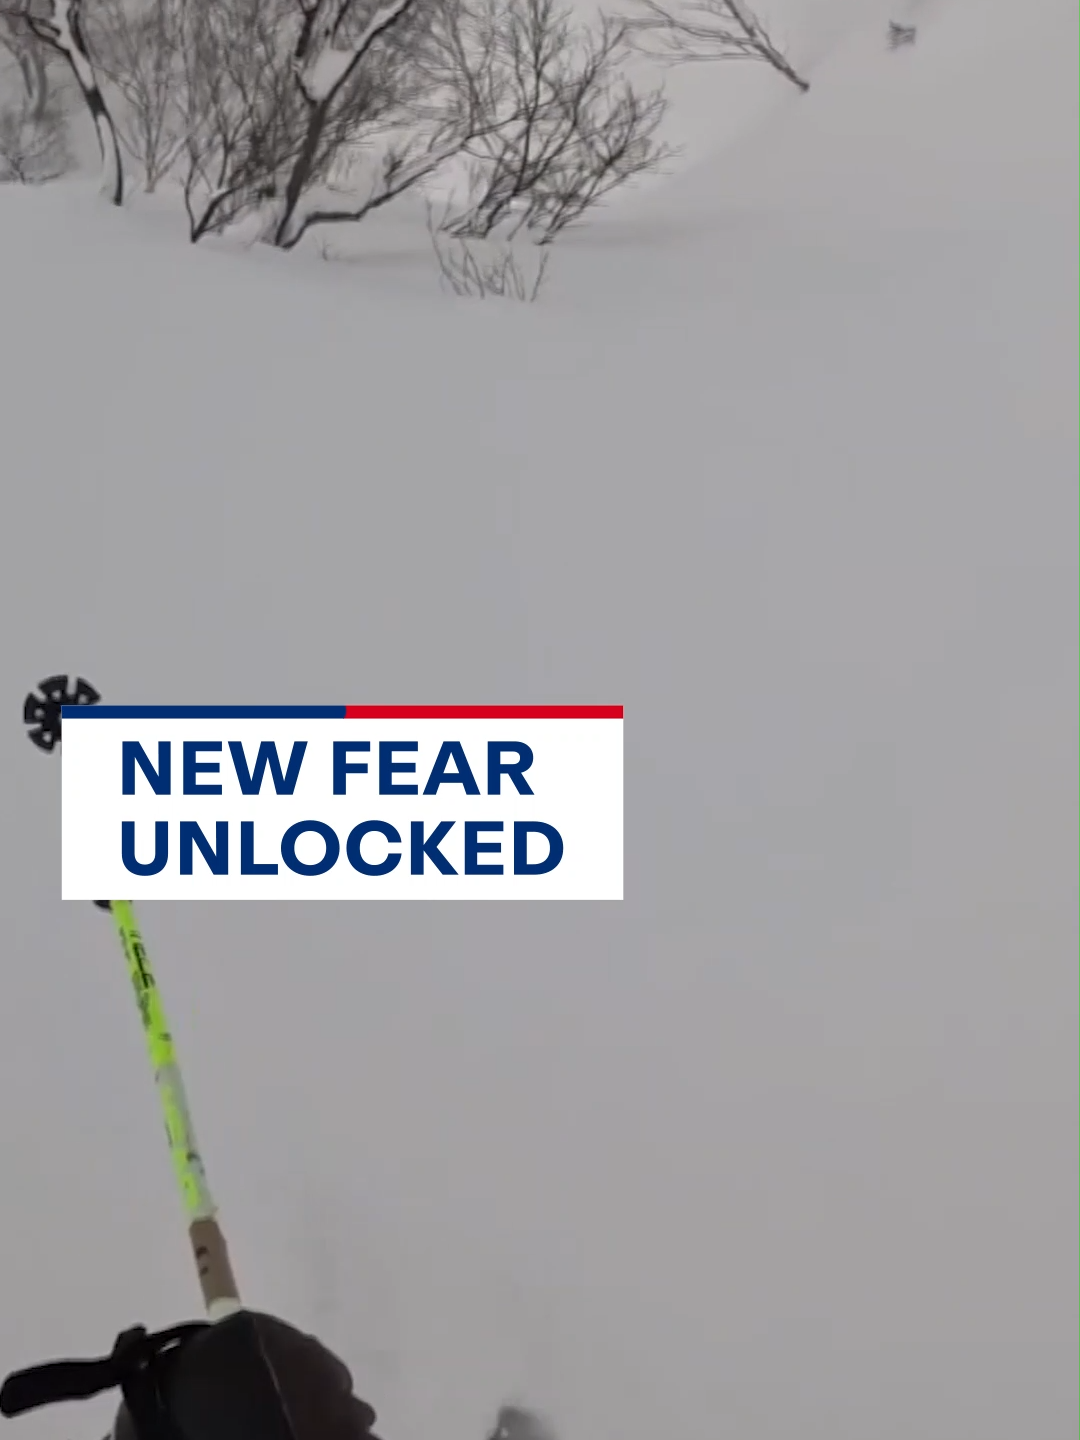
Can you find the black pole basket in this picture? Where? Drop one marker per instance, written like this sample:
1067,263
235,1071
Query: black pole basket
41,710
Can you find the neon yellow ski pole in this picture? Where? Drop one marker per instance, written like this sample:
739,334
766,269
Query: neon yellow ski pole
219,1288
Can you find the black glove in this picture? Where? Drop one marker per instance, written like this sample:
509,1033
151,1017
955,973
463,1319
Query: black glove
247,1377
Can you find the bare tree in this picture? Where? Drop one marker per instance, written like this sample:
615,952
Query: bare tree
138,49
33,137
336,93
33,142
302,113
59,23
710,30
565,127
276,91
432,109
240,123
30,55
405,163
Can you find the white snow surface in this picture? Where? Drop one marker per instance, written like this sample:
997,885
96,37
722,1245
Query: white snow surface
784,460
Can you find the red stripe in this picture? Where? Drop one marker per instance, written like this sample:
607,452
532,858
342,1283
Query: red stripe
483,712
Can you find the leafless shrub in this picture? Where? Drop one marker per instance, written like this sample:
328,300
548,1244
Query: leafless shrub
480,268
31,56
288,99
709,30
291,114
560,128
900,35
33,138
403,162
240,122
418,104
277,90
137,46
33,142
352,80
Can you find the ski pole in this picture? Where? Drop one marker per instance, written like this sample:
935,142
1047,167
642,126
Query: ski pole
43,714
219,1289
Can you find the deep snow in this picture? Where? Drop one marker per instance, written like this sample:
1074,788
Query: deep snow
784,461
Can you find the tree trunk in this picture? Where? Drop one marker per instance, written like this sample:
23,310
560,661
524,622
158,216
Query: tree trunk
63,31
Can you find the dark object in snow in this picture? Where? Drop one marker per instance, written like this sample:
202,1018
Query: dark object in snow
514,1423
248,1376
900,35
41,710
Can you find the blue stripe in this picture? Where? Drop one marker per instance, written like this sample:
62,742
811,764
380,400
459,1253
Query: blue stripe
203,712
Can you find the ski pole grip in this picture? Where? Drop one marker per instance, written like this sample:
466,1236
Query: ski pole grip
220,1292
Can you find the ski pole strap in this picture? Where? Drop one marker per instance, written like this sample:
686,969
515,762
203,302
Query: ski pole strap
56,1381
216,1277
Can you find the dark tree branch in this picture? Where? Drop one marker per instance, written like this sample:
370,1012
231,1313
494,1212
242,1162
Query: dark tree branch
710,30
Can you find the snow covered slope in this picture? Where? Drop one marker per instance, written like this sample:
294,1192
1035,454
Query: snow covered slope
784,461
